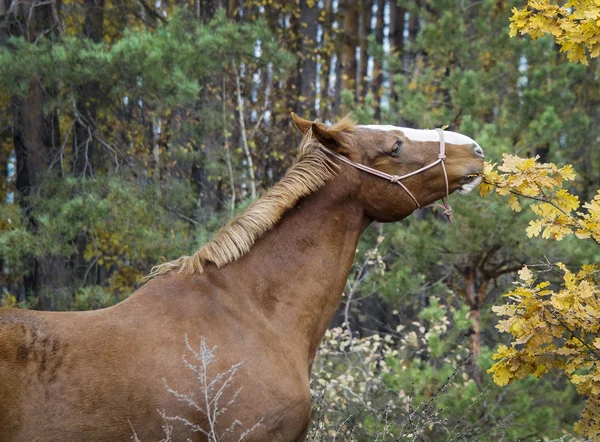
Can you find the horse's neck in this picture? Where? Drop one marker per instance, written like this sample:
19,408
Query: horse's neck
297,272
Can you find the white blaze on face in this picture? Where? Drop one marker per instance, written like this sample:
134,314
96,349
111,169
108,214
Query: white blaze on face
433,135
424,134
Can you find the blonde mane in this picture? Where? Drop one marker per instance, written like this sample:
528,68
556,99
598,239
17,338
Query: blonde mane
312,169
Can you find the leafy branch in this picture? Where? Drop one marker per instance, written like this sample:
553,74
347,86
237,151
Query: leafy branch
551,329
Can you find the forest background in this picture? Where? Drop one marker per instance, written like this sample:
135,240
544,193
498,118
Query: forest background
131,131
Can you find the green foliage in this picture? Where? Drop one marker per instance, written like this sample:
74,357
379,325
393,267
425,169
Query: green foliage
16,244
164,124
164,67
126,224
404,386
142,109
93,297
551,329
512,96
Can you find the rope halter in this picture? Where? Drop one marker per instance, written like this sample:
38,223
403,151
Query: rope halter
397,179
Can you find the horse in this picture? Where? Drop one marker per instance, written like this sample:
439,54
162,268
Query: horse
219,345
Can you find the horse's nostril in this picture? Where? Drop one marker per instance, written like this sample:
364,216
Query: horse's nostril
478,150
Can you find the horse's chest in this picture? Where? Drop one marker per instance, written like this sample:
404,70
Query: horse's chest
269,406
285,418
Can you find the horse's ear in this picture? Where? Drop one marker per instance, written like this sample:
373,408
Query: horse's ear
329,138
302,124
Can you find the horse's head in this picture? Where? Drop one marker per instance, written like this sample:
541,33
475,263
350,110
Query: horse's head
455,161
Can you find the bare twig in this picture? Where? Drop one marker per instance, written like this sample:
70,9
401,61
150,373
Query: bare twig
182,216
151,11
212,389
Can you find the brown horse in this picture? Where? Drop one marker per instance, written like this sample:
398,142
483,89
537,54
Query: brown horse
262,292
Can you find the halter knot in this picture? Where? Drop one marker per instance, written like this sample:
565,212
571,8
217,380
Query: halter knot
397,179
448,213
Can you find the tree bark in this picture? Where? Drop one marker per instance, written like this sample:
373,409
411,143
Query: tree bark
413,32
474,299
376,85
84,145
338,69
4,159
475,342
232,8
35,142
365,12
307,65
206,9
243,136
397,22
349,66
36,139
325,59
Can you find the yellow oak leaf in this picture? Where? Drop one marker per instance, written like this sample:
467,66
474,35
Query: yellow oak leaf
525,274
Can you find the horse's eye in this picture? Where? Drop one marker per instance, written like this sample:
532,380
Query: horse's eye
397,148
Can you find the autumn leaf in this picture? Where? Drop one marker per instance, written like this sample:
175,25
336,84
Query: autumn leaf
575,26
502,375
550,329
526,275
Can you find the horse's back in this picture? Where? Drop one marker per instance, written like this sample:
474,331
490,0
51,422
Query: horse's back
46,369
26,352
101,375
93,375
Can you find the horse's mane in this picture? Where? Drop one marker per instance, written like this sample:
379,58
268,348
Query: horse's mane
311,170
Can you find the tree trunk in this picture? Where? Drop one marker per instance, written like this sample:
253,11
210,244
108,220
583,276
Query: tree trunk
36,138
4,159
366,11
243,136
325,59
475,342
397,22
84,146
413,31
338,69
474,299
349,66
35,143
307,65
206,10
376,86
232,8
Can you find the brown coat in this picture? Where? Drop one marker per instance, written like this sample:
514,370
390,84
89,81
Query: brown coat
263,295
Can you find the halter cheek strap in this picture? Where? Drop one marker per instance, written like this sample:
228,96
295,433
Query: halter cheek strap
397,179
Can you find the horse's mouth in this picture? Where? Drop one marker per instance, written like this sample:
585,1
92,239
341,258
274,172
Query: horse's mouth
470,183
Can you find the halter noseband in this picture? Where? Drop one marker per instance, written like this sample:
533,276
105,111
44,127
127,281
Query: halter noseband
397,179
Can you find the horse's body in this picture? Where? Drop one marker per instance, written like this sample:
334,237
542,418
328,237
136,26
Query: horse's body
104,375
99,376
